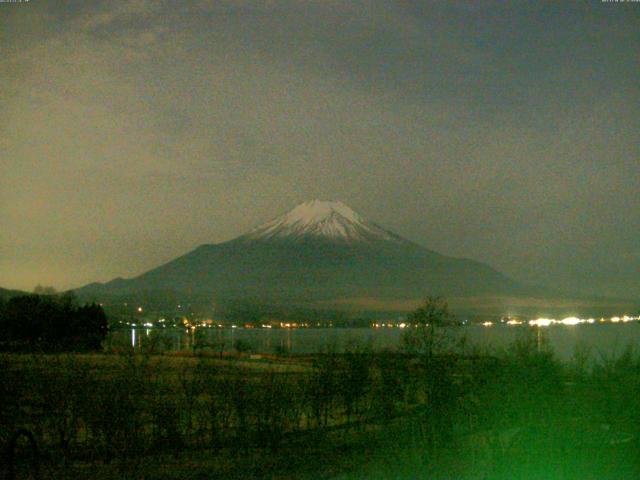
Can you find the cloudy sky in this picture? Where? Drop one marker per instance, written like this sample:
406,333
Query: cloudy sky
132,131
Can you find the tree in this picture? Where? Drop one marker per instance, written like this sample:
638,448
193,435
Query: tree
427,337
91,327
426,334
44,290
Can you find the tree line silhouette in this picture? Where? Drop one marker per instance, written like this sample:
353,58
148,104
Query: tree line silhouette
49,322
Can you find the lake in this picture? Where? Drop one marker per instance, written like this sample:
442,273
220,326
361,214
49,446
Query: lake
598,339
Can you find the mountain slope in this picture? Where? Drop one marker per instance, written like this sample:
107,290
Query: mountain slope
317,251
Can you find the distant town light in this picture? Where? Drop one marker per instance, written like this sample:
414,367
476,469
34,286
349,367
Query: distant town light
571,321
542,322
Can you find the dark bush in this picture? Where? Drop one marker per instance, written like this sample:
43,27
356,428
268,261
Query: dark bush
242,346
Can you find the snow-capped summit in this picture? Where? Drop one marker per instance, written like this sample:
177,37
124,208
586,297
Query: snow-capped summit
318,218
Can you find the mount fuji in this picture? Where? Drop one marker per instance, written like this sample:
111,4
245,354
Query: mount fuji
320,251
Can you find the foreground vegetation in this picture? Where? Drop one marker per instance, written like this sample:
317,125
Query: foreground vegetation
424,414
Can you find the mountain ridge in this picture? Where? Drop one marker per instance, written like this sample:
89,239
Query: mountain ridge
317,251
324,255
7,293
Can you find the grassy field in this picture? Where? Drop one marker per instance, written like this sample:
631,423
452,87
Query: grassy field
514,414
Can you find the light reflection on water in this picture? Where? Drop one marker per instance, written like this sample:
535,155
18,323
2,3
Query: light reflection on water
599,339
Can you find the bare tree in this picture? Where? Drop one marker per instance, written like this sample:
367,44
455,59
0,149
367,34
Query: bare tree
426,334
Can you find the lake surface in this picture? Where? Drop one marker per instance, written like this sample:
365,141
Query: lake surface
598,340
